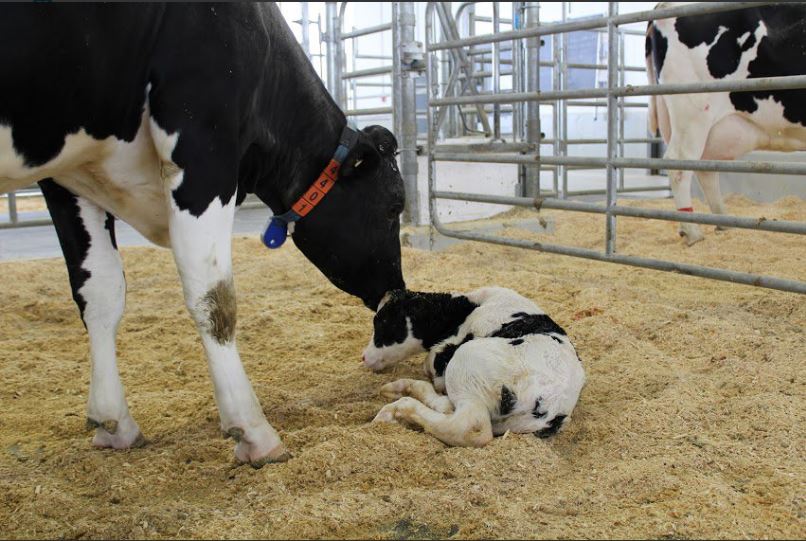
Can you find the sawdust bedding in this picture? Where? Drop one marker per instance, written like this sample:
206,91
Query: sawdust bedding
691,424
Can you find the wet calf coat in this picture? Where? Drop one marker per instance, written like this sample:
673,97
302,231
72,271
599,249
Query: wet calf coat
496,362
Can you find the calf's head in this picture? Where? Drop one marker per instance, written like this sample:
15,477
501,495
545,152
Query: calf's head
353,236
410,322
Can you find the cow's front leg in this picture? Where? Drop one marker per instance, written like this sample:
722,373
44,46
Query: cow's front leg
87,236
202,249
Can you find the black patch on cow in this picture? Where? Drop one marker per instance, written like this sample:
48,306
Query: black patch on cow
657,44
434,317
507,402
553,428
109,224
73,237
517,342
781,52
556,339
536,413
443,358
526,324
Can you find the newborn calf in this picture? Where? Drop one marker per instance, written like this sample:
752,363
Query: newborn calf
503,363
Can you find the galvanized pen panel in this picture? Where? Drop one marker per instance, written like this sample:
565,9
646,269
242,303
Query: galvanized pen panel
614,161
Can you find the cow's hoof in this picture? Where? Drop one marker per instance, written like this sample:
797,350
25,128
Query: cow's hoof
690,233
395,389
723,228
257,446
111,434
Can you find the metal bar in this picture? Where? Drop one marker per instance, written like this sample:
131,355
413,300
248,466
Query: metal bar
461,60
25,223
627,189
633,163
404,103
761,224
496,74
621,82
369,72
628,104
788,82
580,66
366,31
483,19
305,22
655,264
378,57
532,20
599,22
563,133
612,128
12,207
369,111
333,52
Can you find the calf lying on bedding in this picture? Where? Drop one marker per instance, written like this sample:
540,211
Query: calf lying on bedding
502,362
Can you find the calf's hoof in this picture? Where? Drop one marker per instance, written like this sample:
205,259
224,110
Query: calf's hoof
112,434
258,446
395,389
692,235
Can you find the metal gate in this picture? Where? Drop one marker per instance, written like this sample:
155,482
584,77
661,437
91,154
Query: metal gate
527,153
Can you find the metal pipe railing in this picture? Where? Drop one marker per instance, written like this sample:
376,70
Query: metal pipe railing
366,31
615,95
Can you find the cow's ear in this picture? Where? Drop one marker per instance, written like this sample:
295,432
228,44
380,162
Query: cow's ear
383,139
363,157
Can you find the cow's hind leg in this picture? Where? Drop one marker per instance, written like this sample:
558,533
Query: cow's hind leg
468,426
421,390
709,180
87,236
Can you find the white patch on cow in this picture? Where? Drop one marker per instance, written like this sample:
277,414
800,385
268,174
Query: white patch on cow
378,358
105,295
742,39
121,177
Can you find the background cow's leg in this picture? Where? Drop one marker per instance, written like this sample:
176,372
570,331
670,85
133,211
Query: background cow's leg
685,144
468,426
709,180
87,236
200,230
421,390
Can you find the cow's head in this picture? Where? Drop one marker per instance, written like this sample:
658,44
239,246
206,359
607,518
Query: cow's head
353,235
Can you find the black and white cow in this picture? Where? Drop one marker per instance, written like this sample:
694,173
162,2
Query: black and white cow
500,361
765,41
166,116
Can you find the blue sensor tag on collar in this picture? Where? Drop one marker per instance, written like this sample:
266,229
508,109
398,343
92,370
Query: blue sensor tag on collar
275,234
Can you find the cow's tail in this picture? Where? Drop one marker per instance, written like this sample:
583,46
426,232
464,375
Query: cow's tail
652,112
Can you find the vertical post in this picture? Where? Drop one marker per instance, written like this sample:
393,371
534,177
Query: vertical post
404,104
496,73
532,186
612,128
518,70
305,22
432,91
333,52
621,108
556,84
563,103
12,207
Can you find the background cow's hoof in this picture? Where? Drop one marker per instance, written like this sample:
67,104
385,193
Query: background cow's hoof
110,434
723,228
690,233
258,446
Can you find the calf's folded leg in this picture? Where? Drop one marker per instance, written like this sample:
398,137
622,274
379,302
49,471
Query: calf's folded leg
468,426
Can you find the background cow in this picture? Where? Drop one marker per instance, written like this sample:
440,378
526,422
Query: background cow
767,41
166,116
